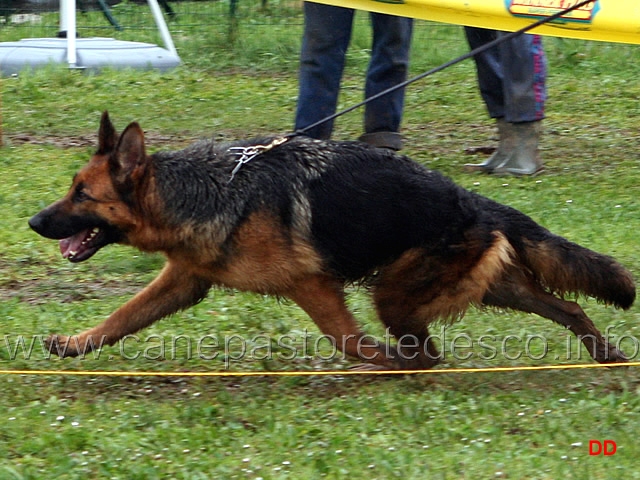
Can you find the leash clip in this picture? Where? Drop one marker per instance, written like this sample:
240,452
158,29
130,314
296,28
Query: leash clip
246,154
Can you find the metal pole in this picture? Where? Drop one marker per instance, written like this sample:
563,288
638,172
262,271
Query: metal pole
162,26
63,16
68,26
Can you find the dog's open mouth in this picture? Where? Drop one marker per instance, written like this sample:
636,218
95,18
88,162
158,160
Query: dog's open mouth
82,245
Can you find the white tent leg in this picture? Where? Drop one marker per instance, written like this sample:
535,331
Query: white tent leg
68,25
162,26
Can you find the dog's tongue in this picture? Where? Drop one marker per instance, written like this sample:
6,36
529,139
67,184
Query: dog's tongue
71,245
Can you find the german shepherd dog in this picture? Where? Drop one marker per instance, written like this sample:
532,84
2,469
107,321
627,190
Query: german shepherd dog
301,218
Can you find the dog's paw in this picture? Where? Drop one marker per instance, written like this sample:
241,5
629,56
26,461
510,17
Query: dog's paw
610,354
62,346
615,356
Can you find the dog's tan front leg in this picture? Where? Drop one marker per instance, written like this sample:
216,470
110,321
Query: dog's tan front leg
322,297
173,289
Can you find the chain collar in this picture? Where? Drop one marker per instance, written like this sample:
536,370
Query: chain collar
246,154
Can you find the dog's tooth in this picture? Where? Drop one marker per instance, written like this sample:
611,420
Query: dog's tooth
91,235
73,253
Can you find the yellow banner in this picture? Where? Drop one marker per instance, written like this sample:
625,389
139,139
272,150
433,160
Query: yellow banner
603,20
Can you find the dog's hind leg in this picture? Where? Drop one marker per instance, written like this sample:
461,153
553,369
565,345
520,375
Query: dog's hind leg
322,298
520,292
420,288
415,348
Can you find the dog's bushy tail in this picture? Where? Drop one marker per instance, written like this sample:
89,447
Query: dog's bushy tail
565,267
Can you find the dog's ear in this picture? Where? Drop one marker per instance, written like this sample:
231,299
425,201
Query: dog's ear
130,157
107,136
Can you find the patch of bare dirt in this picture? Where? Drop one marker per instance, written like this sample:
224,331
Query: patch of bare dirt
43,290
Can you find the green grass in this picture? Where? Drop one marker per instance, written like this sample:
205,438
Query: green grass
534,425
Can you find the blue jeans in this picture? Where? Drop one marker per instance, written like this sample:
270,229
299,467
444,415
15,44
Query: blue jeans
512,75
326,38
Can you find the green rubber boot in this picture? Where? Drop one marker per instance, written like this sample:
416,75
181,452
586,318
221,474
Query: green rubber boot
505,146
524,157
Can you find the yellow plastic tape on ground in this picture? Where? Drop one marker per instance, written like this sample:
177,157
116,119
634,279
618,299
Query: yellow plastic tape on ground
603,20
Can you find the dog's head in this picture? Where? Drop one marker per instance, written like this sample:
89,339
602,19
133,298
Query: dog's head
100,207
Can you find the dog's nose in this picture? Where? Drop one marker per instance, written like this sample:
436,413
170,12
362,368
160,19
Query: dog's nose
36,223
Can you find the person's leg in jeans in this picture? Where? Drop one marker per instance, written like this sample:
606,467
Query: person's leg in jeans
525,73
489,69
327,32
511,77
388,66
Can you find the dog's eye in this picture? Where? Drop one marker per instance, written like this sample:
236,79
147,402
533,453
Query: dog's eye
80,196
